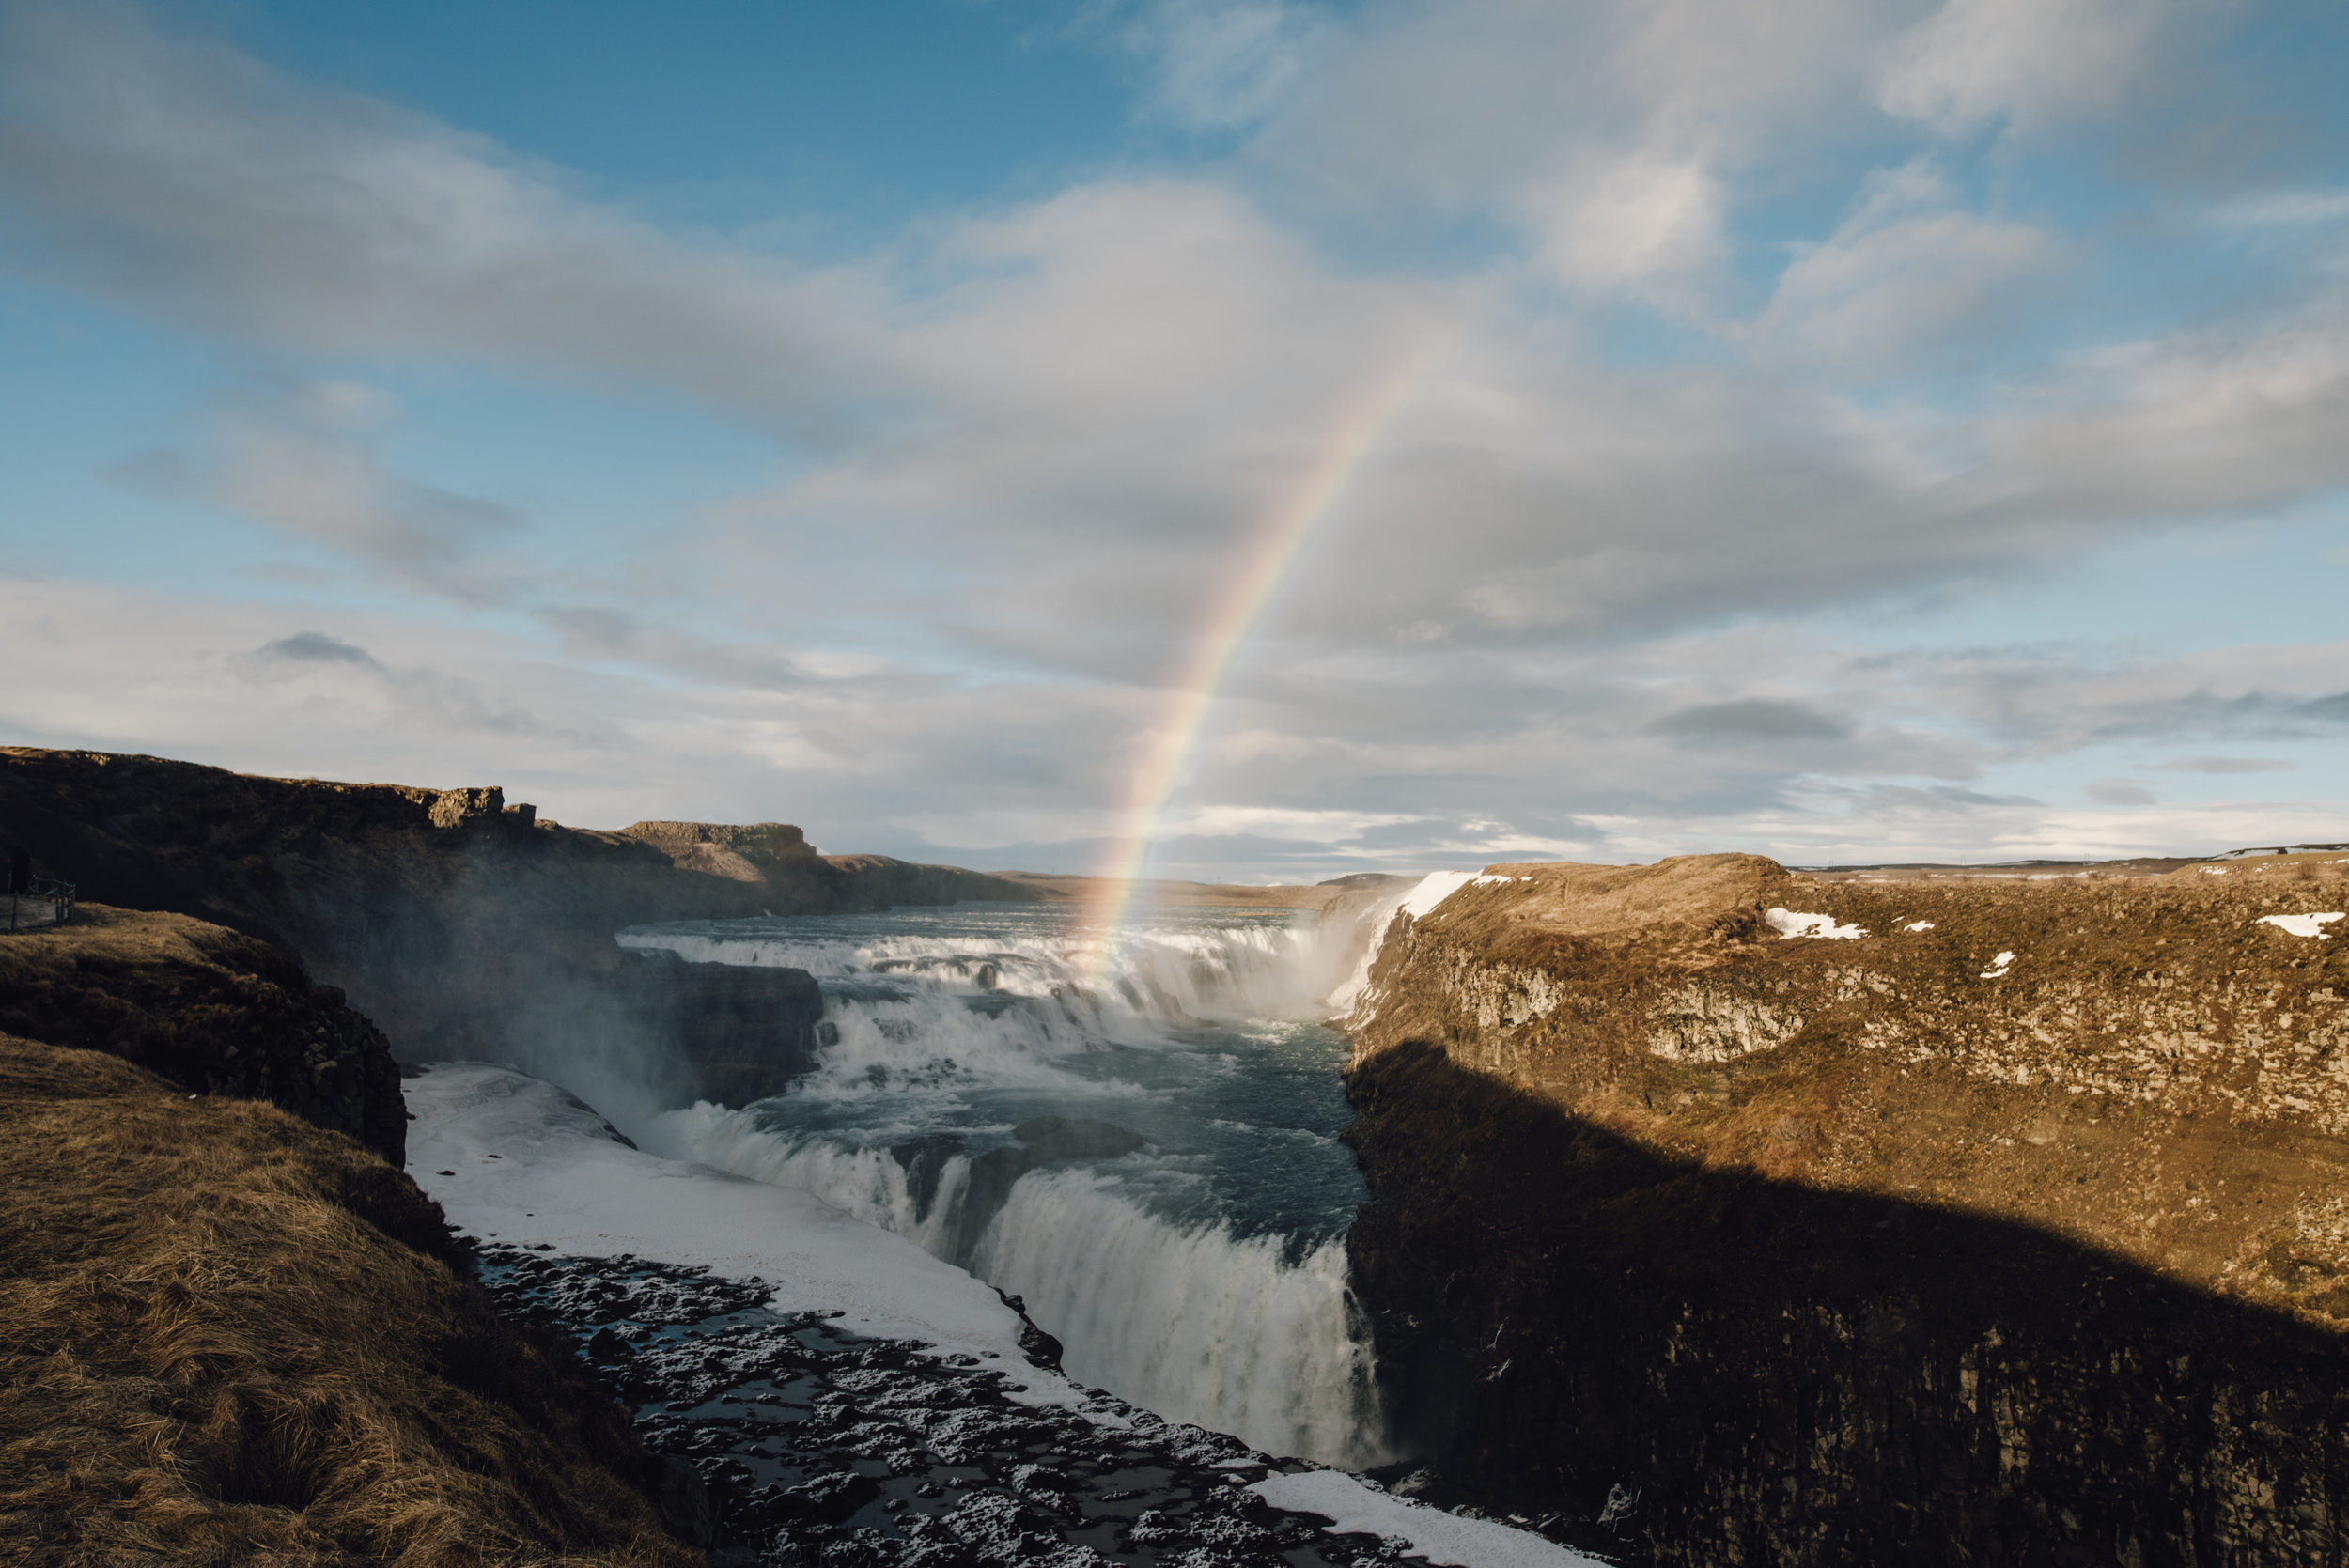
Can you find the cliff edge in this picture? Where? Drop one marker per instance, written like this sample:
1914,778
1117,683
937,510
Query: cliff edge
1728,1215
209,1009
227,1336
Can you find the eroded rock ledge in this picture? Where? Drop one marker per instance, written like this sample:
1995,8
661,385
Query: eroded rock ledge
1877,1247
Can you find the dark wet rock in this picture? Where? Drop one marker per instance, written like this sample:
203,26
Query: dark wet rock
1043,1349
818,1448
829,1498
924,1161
1059,1138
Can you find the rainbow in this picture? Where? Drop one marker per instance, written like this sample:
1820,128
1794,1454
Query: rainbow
1274,550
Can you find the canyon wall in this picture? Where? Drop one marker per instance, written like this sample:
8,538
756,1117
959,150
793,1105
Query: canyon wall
461,924
2006,1224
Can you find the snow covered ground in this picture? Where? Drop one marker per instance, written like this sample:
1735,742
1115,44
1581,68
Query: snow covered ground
1794,923
2302,926
516,1158
519,1160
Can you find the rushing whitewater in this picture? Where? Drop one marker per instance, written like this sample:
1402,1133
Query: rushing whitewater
1140,1142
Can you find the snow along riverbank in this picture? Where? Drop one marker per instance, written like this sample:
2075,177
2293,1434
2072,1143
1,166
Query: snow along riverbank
522,1164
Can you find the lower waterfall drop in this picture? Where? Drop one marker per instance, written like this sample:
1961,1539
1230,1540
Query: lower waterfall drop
1149,1159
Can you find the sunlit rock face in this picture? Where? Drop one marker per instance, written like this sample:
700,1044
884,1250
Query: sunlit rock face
1985,1221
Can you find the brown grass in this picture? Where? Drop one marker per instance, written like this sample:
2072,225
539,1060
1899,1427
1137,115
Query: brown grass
229,1337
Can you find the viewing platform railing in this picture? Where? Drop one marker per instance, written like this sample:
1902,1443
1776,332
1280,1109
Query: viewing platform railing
45,901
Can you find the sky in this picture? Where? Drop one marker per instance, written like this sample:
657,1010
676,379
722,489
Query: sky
1322,437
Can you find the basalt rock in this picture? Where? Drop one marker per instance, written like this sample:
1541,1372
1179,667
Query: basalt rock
2011,1231
735,1033
816,1446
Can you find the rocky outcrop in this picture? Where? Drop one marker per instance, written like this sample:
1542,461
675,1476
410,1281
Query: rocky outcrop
2004,1225
727,1033
774,857
213,1011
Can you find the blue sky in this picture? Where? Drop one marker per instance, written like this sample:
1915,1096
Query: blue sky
1843,430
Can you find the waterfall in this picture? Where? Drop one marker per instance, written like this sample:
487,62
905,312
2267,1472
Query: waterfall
1137,1155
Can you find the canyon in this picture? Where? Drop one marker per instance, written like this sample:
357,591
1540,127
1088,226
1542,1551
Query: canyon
1719,1213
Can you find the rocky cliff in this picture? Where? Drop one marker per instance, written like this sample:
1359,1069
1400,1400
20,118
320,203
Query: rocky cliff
464,925
1729,1216
209,1009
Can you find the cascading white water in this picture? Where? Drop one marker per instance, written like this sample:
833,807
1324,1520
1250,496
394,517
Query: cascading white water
1192,1321
1193,1261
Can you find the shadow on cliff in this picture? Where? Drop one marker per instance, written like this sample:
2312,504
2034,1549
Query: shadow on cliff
1676,1364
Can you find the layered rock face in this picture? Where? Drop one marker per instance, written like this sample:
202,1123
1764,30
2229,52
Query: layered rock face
728,1034
2013,1229
211,1010
465,927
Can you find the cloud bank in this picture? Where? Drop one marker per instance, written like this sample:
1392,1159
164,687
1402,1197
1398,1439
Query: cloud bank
1753,338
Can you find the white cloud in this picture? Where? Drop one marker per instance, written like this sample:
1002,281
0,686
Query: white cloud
186,179
2273,209
2230,764
2026,62
1640,223
1906,271
1029,444
2209,420
1221,63
305,463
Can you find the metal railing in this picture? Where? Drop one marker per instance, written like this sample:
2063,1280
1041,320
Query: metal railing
44,901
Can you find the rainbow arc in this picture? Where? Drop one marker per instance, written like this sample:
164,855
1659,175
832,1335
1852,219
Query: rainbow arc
1273,555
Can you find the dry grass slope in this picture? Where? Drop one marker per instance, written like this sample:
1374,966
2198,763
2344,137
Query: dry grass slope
211,1010
230,1337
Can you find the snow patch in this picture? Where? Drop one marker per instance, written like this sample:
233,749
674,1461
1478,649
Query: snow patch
1918,926
1444,1538
1433,889
1789,923
1999,967
2301,925
1486,881
562,1177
